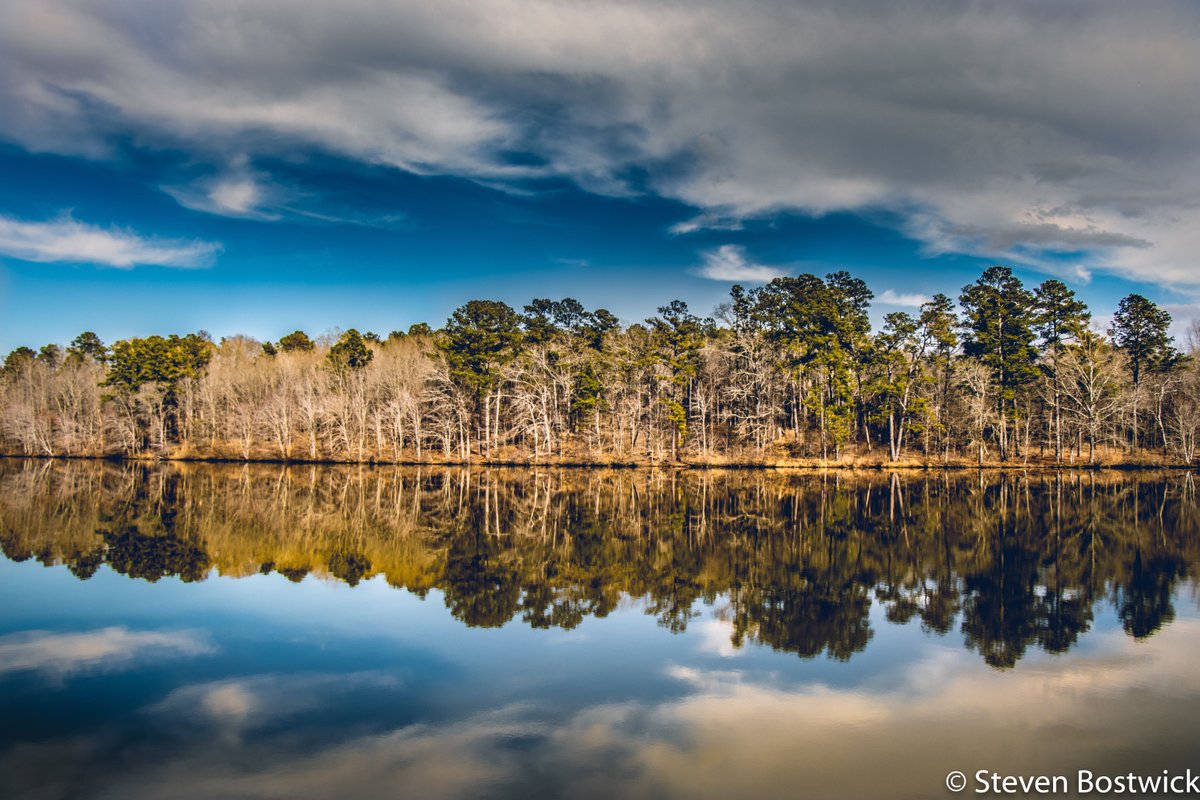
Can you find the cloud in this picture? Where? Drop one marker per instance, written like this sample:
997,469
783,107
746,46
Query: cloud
263,699
233,195
67,240
708,221
233,707
62,654
716,637
433,761
1019,131
891,297
729,263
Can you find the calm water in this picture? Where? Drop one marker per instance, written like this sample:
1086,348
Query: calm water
218,631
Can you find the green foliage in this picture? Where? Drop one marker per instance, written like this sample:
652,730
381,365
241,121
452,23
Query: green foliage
87,345
296,340
818,322
1000,315
896,348
676,416
350,352
420,329
480,337
601,322
938,343
156,359
269,349
679,335
938,324
823,330
589,393
18,360
1059,314
1139,329
51,355
545,319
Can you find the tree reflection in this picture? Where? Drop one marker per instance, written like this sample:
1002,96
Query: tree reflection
1143,601
1013,561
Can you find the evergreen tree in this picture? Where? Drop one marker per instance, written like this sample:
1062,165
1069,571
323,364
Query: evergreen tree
822,327
1060,318
478,340
296,340
51,355
87,345
678,336
1139,329
160,360
18,359
939,341
350,352
1000,315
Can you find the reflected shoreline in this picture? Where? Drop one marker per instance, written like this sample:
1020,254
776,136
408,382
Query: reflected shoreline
1009,560
800,465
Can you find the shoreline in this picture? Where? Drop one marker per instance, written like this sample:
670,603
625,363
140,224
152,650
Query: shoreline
680,465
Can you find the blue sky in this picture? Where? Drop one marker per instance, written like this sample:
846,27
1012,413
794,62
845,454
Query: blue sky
256,168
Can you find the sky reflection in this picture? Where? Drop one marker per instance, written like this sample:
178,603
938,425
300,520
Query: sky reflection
522,714
138,680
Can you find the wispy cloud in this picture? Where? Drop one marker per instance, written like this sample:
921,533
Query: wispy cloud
68,240
890,297
61,654
729,263
235,195
708,221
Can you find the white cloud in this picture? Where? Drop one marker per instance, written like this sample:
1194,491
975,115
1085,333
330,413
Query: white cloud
708,221
1018,131
716,637
65,239
237,705
891,297
729,263
232,195
61,654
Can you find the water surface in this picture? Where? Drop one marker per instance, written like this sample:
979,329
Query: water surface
260,631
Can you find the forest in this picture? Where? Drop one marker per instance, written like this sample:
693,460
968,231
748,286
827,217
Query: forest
787,373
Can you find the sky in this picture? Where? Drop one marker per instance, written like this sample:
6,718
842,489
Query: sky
258,167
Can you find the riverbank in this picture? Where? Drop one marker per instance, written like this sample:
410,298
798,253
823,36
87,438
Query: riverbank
1108,462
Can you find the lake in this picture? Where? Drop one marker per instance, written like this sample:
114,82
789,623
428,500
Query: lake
261,631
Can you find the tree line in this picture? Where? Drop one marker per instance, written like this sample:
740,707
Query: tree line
787,372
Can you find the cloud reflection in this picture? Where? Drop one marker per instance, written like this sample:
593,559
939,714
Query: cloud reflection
258,700
1124,705
62,654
